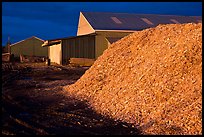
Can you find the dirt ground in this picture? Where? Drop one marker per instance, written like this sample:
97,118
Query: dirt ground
33,103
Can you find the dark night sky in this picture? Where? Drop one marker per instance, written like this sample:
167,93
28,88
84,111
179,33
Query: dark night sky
50,20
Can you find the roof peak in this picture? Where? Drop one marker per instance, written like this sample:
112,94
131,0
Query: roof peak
27,39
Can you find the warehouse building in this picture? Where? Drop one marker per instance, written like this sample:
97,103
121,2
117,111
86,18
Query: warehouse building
30,47
97,30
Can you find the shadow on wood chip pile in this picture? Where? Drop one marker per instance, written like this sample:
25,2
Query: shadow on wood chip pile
33,103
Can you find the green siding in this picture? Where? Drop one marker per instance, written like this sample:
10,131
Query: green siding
30,47
79,47
101,42
101,45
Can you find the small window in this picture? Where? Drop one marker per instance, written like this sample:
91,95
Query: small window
174,21
116,20
147,21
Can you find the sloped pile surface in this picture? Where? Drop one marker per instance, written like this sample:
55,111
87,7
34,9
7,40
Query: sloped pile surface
151,78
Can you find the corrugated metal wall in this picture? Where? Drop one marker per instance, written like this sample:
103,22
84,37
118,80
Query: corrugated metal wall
78,47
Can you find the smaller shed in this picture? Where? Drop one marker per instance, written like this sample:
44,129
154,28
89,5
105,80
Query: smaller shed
61,50
30,47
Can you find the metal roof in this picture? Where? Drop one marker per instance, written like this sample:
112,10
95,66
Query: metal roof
130,21
51,42
70,37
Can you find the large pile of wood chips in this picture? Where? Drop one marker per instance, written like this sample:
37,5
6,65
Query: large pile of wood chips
150,78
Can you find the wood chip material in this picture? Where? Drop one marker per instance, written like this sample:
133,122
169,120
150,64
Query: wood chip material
150,78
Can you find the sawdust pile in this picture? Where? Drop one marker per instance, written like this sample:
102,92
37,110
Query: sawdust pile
151,78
